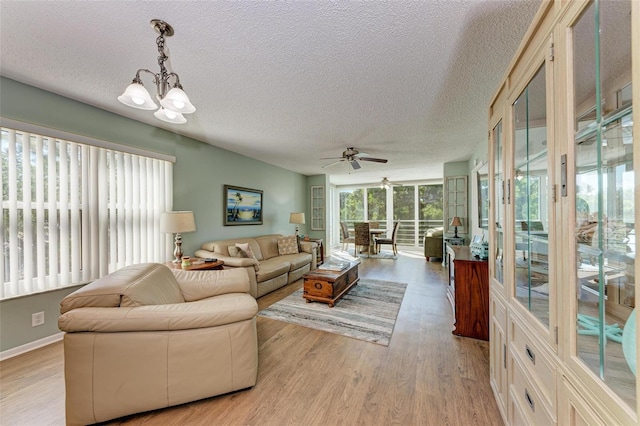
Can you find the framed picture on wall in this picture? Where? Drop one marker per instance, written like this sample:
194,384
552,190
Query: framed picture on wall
242,206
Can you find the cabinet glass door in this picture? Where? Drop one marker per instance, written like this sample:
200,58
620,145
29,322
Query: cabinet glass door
530,192
498,202
604,233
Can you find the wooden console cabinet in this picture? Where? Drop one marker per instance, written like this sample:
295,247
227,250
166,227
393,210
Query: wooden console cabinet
468,292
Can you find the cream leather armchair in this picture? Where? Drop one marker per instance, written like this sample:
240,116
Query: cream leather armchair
146,337
432,243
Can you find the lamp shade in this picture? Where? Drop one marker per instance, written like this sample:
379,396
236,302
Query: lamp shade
297,218
170,116
136,96
177,222
456,221
177,101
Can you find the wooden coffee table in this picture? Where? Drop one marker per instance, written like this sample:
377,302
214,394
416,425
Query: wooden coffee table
329,286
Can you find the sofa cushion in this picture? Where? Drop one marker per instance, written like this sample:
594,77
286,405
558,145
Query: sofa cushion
288,245
272,268
296,260
222,247
268,246
135,285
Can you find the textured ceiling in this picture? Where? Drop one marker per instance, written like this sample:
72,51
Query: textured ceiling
288,82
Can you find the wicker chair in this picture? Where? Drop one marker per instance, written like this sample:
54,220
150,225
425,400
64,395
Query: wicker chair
362,236
391,241
433,243
346,239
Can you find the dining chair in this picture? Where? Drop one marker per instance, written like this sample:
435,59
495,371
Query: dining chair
362,236
391,241
346,239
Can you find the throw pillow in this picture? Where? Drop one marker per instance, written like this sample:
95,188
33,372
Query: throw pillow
245,247
288,245
237,252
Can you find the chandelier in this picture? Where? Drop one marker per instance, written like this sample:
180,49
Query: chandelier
173,102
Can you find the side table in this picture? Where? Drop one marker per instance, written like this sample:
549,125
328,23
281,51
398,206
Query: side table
197,264
452,241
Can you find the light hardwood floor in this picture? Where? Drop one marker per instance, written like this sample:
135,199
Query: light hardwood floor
426,376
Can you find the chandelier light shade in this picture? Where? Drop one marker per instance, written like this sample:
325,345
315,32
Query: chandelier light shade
178,101
170,116
136,96
173,100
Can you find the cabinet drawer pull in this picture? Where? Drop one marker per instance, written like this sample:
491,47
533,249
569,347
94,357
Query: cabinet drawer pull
530,354
532,404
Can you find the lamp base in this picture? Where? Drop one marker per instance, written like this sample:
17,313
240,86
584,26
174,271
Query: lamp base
177,251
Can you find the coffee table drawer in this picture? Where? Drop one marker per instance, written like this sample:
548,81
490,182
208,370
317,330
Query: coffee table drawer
318,288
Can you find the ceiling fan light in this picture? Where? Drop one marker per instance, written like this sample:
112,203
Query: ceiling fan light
136,96
170,116
176,100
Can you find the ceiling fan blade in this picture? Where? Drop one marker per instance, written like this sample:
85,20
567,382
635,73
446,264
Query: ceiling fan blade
355,164
332,158
331,164
376,160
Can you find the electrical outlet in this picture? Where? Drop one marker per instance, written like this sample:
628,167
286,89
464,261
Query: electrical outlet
37,319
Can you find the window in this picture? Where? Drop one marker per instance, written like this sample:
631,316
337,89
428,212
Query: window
73,212
317,208
377,206
417,207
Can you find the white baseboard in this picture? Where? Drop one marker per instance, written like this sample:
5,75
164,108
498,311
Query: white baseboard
19,350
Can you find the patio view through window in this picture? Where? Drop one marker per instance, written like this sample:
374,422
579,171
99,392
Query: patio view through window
416,207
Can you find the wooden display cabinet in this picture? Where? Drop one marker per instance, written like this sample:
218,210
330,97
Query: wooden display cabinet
468,292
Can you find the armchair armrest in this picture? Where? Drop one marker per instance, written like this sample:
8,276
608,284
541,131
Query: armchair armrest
196,285
216,311
308,246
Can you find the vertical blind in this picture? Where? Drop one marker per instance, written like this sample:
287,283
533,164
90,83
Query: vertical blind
73,212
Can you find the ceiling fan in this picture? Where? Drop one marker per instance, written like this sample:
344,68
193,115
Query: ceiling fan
352,155
386,183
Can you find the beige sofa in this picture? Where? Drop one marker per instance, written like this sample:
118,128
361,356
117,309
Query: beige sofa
146,337
269,270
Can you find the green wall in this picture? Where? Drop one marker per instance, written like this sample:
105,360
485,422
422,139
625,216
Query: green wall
199,173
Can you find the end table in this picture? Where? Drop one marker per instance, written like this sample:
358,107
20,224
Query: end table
197,264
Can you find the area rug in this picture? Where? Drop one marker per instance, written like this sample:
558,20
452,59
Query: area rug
367,312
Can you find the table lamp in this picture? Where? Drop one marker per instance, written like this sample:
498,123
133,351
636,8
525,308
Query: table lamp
455,222
177,223
298,219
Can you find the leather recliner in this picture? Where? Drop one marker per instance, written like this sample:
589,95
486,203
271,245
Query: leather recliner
432,242
146,337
